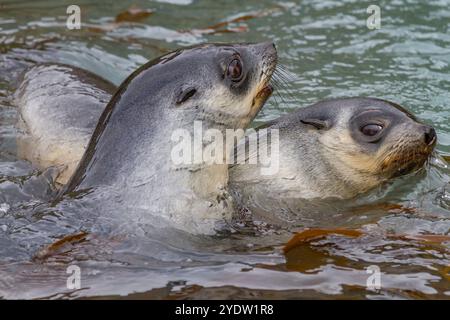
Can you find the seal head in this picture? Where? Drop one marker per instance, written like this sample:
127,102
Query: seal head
340,148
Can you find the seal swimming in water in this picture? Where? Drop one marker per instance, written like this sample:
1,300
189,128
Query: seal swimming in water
337,148
129,153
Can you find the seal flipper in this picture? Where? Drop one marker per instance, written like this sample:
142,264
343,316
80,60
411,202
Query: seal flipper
59,106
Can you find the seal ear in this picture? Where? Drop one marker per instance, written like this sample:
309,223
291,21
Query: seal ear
185,93
317,123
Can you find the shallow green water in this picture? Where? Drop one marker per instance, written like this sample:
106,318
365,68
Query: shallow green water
327,45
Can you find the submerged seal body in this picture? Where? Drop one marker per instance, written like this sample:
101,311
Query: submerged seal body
59,107
338,148
129,154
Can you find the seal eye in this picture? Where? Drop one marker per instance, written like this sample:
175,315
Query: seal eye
234,70
371,130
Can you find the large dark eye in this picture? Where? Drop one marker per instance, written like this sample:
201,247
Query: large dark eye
371,129
234,70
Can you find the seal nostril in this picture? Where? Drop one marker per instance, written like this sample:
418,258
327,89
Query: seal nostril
269,45
430,135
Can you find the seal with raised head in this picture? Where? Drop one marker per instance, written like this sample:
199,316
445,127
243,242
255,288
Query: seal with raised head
129,153
336,149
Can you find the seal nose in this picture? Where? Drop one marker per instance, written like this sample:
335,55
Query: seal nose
429,135
265,47
268,45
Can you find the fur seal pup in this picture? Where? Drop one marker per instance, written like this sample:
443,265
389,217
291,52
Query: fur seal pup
129,153
336,148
